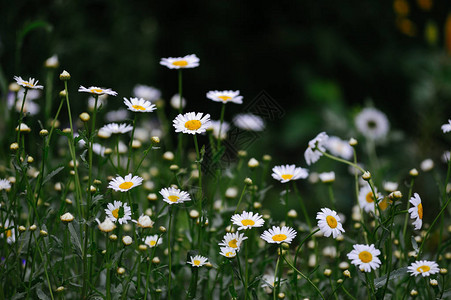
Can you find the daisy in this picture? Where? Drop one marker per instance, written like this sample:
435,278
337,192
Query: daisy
101,102
173,196
115,128
225,96
416,211
286,173
279,235
192,123
175,101
372,123
146,92
268,282
233,240
228,252
28,107
97,91
312,154
198,261
139,105
188,61
446,127
390,186
119,212
116,115
247,220
153,240
5,184
144,221
366,199
327,177
339,147
249,122
329,223
423,267
30,84
214,125
9,232
107,225
126,183
365,257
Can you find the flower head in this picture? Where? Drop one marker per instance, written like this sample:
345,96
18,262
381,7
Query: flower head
153,240
249,122
367,200
447,127
288,173
315,147
423,267
247,220
327,177
146,92
198,261
339,147
67,217
192,123
215,125
115,128
365,257
228,252
279,235
139,105
9,232
233,240
97,90
118,212
225,96
144,221
329,223
372,123
186,62
30,84
126,183
173,196
5,184
416,212
107,225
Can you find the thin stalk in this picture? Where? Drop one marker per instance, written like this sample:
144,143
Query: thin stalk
277,278
221,120
169,252
130,150
45,268
404,229
180,92
304,210
48,93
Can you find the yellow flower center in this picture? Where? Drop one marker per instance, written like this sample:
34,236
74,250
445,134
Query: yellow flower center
331,221
233,243
287,176
196,262
279,237
420,211
115,213
9,233
97,91
125,185
224,98
248,222
152,243
423,268
180,63
193,124
230,254
173,198
383,204
369,197
365,256
138,107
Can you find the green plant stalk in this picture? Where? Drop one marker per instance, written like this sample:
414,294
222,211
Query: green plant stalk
331,195
149,269
131,144
356,179
48,93
221,120
117,154
369,285
142,159
169,252
448,173
277,278
45,268
20,121
193,284
180,92
404,229
389,250
304,210
199,193
108,273
246,271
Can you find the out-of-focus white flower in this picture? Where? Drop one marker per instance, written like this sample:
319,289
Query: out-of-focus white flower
188,61
249,122
146,92
339,147
372,123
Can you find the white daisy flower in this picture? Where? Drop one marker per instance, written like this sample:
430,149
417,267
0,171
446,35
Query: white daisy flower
144,221
286,173
30,84
139,105
268,282
153,240
146,92
312,154
327,177
52,62
101,102
173,196
97,90
372,123
126,183
339,147
247,220
98,149
329,223
228,252
446,156
365,257
279,235
447,127
117,115
390,186
192,123
188,61
10,232
233,240
119,212
416,212
249,122
107,225
214,125
225,96
115,128
175,101
423,267
5,184
427,165
28,107
367,199
197,261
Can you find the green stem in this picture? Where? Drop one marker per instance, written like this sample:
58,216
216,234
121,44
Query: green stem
131,144
180,92
169,252
45,268
221,120
277,278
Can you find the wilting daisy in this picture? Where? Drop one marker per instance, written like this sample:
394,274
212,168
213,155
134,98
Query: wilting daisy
286,173
118,212
5,184
197,261
228,252
153,240
446,127
339,147
233,240
146,92
97,90
188,61
107,225
279,235
249,122
312,154
214,125
30,84
172,195
247,220
225,96
423,267
192,123
10,232
365,257
329,223
367,199
126,183
115,128
372,123
416,212
144,221
139,105
327,177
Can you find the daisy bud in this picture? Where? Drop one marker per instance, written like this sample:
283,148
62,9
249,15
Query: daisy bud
63,94
413,293
427,165
127,240
127,227
14,87
443,271
267,157
108,151
253,163
22,228
395,195
413,173
43,233
136,144
353,142
68,201
44,132
208,265
120,271
30,159
142,247
60,289
162,229
152,197
67,130
231,192
113,237
242,153
327,272
67,218
32,227
64,76
340,238
340,281
281,295
14,146
346,273
52,62
292,214
343,265
84,117
156,260
155,140
194,214
433,282
248,181
174,168
168,155
366,176
92,189
257,205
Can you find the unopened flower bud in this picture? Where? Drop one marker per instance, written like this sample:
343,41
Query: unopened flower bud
60,289
194,214
327,272
347,273
433,282
44,132
43,233
14,146
64,76
267,157
413,173
142,247
162,229
67,217
174,168
353,142
443,271
156,260
366,176
120,271
248,181
242,153
85,117
113,237
253,163
32,227
395,195
22,228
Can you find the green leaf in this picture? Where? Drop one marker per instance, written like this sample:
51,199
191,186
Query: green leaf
232,292
41,295
380,281
19,296
52,174
74,238
414,244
